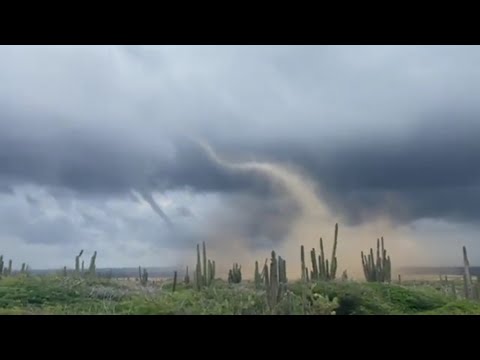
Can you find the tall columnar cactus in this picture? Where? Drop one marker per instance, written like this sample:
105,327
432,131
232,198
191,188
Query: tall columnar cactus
22,270
282,270
315,273
92,268
235,274
265,276
9,267
467,277
275,289
204,276
333,264
257,276
210,272
198,271
302,259
321,262
379,270
139,273
321,269
187,277
1,265
174,281
144,278
77,262
274,283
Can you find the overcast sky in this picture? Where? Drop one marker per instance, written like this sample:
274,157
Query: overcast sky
98,147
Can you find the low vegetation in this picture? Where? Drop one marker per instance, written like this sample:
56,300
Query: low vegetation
317,291
60,295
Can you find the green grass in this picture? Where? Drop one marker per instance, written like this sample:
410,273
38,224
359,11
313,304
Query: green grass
460,307
59,295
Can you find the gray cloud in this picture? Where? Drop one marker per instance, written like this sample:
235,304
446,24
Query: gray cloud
185,211
381,130
31,200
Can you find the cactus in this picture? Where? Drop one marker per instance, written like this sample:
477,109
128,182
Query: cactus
274,273
282,270
205,276
321,261
344,275
399,279
333,263
1,266
379,270
302,259
139,273
257,277
187,277
275,289
83,266
144,277
22,271
322,269
235,274
315,273
471,289
266,278
9,267
77,262
174,281
209,272
198,270
92,268
467,278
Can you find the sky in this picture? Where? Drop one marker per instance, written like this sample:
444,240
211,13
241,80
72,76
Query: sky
141,152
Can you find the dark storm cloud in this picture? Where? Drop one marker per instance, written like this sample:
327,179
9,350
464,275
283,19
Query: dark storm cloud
81,161
432,172
381,129
89,163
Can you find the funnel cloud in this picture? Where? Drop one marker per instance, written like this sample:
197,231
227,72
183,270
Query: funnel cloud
141,152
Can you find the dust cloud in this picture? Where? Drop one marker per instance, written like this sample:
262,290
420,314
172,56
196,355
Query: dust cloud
314,220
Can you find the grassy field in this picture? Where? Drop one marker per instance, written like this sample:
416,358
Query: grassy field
320,290
69,295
